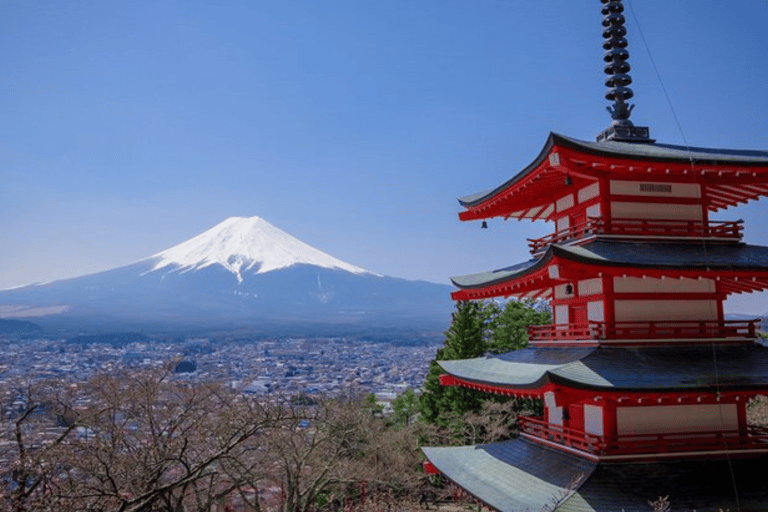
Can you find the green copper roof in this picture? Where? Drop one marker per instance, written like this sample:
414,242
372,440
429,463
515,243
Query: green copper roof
521,475
722,367
495,276
511,476
633,254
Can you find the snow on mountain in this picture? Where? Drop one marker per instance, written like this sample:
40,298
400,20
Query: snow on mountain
245,243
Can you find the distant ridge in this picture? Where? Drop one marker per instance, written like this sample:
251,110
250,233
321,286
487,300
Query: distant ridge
243,274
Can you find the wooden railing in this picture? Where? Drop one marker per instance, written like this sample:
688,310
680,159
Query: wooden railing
750,437
643,330
726,230
561,435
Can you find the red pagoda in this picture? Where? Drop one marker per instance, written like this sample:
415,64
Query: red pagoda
645,383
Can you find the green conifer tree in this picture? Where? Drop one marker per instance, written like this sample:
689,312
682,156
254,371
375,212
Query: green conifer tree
464,339
509,329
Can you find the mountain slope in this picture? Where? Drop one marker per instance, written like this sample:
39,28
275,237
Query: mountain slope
242,274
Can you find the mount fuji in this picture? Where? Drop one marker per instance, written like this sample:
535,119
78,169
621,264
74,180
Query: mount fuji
243,274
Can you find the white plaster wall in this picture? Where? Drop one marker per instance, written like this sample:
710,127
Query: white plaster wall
595,311
590,287
663,310
651,285
656,211
593,419
564,202
594,211
561,314
556,416
676,418
560,292
632,188
562,223
548,211
587,193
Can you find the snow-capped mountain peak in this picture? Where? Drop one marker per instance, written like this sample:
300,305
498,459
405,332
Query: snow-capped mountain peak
246,243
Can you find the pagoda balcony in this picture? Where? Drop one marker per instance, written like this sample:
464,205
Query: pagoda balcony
727,231
630,331
749,438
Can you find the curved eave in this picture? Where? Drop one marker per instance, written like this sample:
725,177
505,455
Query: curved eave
532,371
730,177
738,268
505,379
531,276
524,475
512,475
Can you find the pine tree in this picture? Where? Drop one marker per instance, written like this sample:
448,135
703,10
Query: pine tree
464,339
509,329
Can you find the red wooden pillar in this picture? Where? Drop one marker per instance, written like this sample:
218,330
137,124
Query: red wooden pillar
741,413
609,301
609,419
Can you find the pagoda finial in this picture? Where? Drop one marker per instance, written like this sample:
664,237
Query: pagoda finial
617,69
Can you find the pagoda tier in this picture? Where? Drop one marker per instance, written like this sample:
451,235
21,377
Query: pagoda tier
524,475
630,292
572,179
621,404
644,383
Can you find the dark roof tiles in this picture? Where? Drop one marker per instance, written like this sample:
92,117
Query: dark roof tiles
633,254
691,367
628,150
522,475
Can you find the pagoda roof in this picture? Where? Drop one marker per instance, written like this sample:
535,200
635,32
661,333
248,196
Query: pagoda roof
523,475
725,367
619,258
585,161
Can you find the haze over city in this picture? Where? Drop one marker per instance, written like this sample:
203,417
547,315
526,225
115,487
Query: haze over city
129,128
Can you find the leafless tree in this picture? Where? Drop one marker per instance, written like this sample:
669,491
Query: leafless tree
152,442
334,447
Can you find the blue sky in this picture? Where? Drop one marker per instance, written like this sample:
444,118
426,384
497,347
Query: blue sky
128,127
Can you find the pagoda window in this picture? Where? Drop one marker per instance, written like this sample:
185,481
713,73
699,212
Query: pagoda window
666,310
593,419
553,414
561,314
596,311
565,291
657,211
590,192
564,203
664,419
588,287
646,189
648,285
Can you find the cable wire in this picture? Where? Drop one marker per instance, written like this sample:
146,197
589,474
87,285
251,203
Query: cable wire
703,244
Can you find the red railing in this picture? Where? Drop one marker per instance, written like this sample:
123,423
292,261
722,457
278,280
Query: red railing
561,435
643,330
750,437
727,230
563,332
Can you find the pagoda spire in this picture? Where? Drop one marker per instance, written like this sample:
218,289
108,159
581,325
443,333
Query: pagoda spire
617,69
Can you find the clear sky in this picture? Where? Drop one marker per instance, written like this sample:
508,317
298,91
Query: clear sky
128,127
